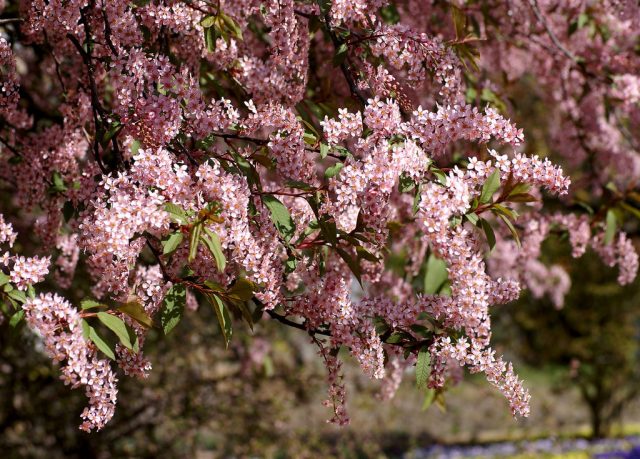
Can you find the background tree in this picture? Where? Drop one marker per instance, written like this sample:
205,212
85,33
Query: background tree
593,338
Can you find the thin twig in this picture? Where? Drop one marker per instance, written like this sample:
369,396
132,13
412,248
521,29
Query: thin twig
10,20
552,35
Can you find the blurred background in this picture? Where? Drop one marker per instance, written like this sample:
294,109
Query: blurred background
263,396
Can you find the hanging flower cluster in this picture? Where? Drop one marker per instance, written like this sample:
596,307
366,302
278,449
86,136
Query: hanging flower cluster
274,160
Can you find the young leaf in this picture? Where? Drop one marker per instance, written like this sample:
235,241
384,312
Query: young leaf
176,213
333,170
136,311
210,38
135,146
90,304
423,367
208,21
223,317
16,318
472,217
488,231
340,55
324,150
520,188
173,307
116,325
512,229
611,227
194,240
17,295
629,208
490,187
428,399
353,264
506,211
171,242
212,242
436,275
280,216
406,183
85,328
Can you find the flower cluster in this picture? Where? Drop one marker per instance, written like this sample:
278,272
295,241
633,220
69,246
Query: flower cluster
58,323
270,157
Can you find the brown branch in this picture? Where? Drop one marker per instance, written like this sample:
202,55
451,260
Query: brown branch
291,323
344,66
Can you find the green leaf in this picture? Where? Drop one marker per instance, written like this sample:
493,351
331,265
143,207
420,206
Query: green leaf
506,211
632,210
421,330
242,289
435,276
512,229
239,294
176,213
210,38
353,264
4,279
212,242
521,197
299,185
90,304
389,14
490,187
333,170
101,343
136,311
440,176
340,55
417,199
290,265
324,150
173,307
17,295
135,146
194,240
208,21
365,254
472,217
610,230
488,231
85,328
16,318
171,242
224,319
279,216
428,399
325,6
114,129
116,325
58,183
309,138
214,286
232,26
583,18
406,183
423,367
381,325
520,188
